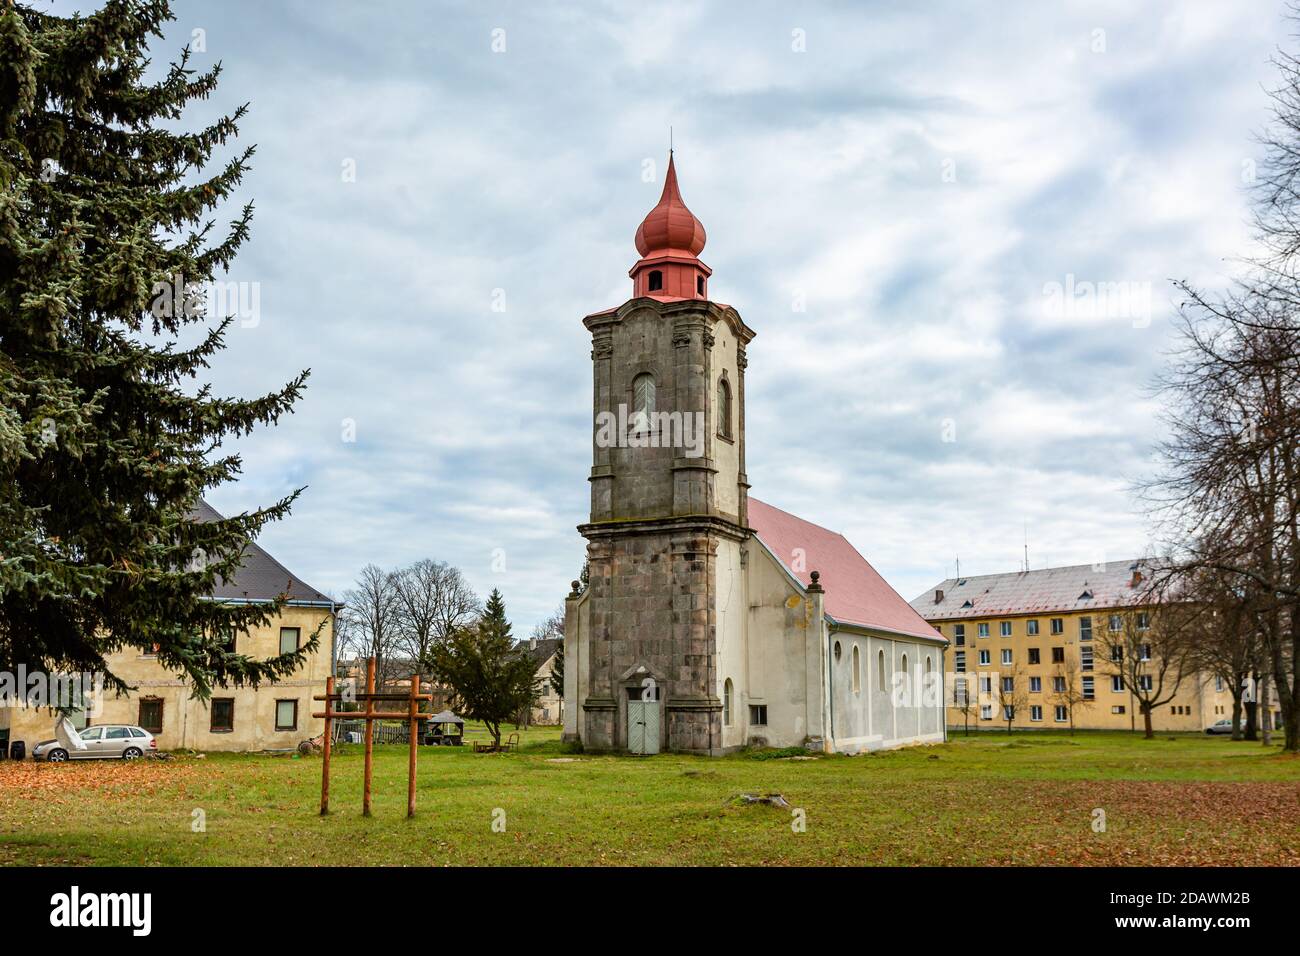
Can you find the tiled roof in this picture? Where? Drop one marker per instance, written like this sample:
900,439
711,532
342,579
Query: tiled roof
855,591
542,652
1079,587
260,576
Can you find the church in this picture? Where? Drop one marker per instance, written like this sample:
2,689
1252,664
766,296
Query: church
712,621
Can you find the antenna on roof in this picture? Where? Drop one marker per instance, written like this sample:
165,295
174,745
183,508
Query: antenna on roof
959,565
1025,528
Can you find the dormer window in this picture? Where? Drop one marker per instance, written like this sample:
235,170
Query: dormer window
656,280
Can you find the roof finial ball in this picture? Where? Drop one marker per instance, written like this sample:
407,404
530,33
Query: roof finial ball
816,582
575,585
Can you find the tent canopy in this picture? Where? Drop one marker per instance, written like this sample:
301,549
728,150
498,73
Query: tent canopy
446,717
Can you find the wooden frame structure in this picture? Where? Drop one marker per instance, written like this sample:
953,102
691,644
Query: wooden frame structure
370,715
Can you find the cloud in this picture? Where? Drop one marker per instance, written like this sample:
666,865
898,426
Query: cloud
919,174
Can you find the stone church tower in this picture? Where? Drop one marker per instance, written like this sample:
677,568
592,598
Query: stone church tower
669,500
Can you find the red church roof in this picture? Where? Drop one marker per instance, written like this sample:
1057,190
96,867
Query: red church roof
855,591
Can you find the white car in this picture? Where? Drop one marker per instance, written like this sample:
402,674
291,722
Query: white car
105,742
1220,727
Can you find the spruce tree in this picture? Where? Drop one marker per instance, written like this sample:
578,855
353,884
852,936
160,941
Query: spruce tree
108,433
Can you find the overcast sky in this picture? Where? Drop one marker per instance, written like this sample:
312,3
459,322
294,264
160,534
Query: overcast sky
890,192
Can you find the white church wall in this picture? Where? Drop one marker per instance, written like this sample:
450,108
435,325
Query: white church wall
726,454
776,628
730,606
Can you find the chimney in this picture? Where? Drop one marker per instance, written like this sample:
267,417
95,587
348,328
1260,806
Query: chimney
1137,578
938,595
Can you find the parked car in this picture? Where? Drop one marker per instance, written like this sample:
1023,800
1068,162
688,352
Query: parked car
105,742
1220,727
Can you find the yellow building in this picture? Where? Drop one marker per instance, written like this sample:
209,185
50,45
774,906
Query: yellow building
272,717
1052,635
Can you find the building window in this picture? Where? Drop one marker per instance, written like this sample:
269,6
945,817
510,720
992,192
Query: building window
986,712
1031,628
1085,628
1036,712
151,714
1115,622
1089,691
1008,712
758,715
1117,709
286,715
1035,655
959,634
959,661
839,652
1218,685
1058,685
1058,625
222,710
1117,684
880,671
1144,652
1144,681
1117,653
289,639
1085,658
1035,685
984,659
643,401
959,691
1004,628
1008,685
983,630
1144,620
986,684
1058,655
1060,714
857,671
724,408
699,285
1006,655
656,280
726,703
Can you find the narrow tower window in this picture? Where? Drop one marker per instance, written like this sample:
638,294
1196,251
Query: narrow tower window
656,280
726,702
699,285
880,671
724,408
857,671
643,401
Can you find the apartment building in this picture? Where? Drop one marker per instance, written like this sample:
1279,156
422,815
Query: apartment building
1051,634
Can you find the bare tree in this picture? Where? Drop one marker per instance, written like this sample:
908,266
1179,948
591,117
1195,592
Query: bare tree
1224,642
1229,493
433,599
962,698
1012,694
1067,686
1147,648
370,624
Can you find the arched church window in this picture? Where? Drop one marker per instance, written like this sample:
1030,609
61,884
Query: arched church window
724,408
656,280
880,672
726,703
838,652
857,671
643,401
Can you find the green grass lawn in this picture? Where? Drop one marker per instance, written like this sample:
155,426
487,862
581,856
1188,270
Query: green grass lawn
989,799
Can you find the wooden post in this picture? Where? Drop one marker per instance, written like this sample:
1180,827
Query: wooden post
325,765
410,770
370,732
